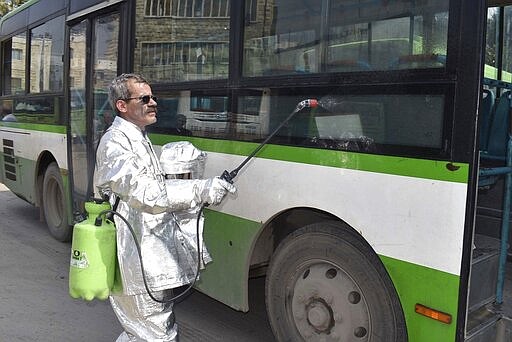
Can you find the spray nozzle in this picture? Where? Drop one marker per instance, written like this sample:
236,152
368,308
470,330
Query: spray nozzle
309,103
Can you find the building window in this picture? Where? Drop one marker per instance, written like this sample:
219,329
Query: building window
251,10
187,8
13,65
17,54
17,83
182,61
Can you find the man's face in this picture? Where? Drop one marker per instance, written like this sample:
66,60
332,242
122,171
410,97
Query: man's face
134,109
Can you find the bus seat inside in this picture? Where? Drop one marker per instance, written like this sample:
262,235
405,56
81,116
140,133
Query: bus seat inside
497,161
494,138
498,129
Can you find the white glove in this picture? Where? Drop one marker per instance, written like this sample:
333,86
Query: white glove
215,189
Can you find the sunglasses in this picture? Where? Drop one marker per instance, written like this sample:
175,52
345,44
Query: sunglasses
144,98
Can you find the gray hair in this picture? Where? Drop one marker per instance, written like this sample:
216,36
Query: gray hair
118,88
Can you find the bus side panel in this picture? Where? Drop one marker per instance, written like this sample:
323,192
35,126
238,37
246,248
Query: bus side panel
417,284
18,173
230,243
419,238
22,146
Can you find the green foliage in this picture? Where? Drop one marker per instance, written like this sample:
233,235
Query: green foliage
8,5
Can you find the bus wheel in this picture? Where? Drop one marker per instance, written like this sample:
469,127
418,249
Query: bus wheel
325,283
54,205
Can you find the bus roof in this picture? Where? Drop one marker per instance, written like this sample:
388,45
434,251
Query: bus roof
30,12
19,9
13,12
35,10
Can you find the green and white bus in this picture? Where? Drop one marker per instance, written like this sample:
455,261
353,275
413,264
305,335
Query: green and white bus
377,216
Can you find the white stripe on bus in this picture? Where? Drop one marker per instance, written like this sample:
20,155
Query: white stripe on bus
412,219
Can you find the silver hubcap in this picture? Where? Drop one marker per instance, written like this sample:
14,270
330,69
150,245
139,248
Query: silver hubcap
327,305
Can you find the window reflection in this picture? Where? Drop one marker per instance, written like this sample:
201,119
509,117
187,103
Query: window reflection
182,40
46,56
352,122
6,111
283,38
77,99
194,113
106,33
14,65
344,122
42,110
187,8
506,74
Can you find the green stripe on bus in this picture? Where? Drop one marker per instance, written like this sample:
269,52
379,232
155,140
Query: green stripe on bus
438,290
400,166
35,127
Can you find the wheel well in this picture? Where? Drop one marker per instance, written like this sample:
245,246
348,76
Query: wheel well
287,222
45,158
278,228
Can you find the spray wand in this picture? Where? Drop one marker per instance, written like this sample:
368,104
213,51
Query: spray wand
228,176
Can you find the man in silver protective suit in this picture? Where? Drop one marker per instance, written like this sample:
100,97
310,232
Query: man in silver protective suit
127,168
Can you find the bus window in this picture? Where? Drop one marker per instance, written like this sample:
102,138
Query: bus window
6,108
375,118
168,119
198,50
494,55
77,101
206,115
43,110
106,33
391,35
360,36
192,113
251,121
507,46
46,56
15,50
283,38
492,31
344,122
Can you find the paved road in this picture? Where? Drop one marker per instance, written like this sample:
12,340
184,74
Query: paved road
35,305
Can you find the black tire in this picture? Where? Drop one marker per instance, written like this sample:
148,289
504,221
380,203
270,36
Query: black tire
325,283
54,205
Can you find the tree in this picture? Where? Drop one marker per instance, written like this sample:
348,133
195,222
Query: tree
8,5
491,39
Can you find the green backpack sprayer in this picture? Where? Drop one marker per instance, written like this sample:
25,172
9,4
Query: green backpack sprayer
93,255
92,272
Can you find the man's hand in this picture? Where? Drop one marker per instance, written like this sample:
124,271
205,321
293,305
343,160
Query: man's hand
215,189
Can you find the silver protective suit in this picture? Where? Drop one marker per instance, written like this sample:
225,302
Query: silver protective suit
127,167
180,159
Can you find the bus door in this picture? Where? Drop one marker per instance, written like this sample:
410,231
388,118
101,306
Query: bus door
93,63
